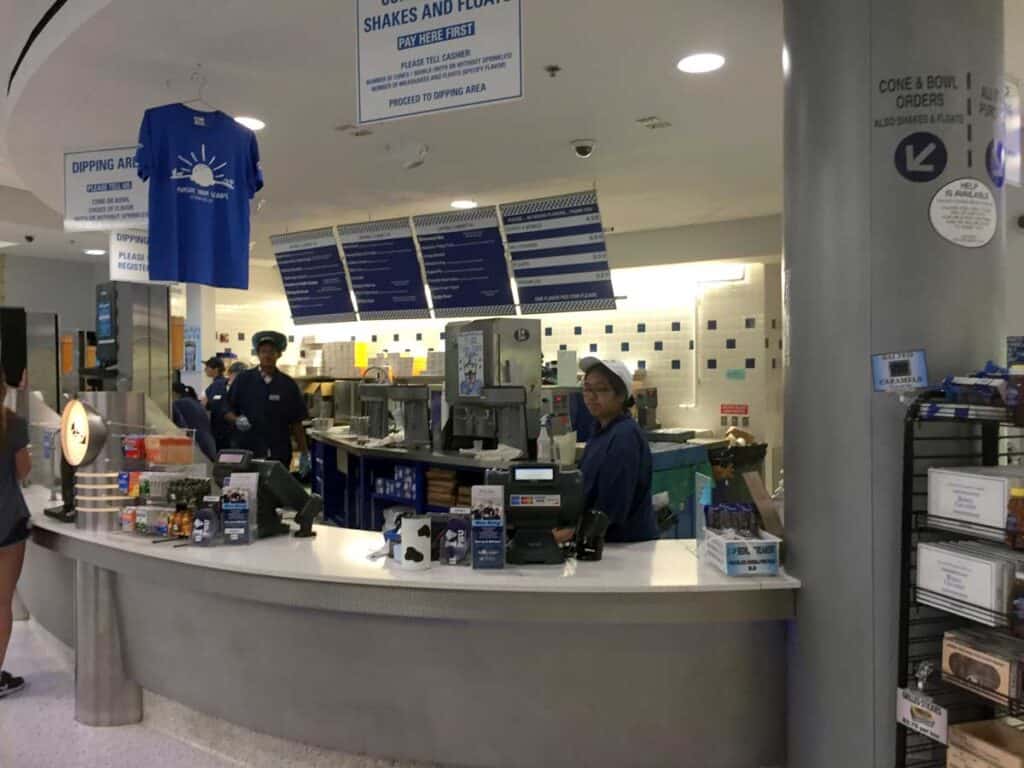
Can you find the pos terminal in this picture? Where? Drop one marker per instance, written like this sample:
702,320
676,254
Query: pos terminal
276,488
538,499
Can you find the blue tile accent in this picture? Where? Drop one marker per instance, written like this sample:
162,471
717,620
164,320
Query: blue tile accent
353,338
677,365
691,345
593,348
730,343
751,362
780,343
751,322
397,338
443,334
577,331
775,324
625,346
766,342
677,327
659,346
419,337
548,331
241,337
291,339
712,364
641,364
609,329
775,363
562,347
373,338
712,325
641,327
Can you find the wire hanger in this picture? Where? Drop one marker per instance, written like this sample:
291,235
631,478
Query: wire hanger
199,79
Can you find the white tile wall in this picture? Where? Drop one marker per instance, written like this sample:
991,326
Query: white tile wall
689,396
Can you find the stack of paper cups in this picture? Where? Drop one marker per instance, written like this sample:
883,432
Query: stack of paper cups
416,542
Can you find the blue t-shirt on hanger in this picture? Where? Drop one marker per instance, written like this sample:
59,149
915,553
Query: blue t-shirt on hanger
202,168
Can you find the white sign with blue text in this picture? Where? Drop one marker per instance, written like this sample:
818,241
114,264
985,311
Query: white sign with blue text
103,191
421,56
899,371
129,255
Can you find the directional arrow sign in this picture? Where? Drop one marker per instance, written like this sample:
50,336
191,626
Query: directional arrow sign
921,157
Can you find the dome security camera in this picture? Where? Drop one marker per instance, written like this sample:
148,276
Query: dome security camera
583,148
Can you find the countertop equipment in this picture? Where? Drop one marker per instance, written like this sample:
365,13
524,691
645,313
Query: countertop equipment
538,499
277,488
415,406
647,407
374,399
493,382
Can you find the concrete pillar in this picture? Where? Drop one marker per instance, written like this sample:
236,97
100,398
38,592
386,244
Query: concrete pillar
201,313
872,265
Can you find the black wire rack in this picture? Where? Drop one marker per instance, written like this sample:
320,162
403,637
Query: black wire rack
948,440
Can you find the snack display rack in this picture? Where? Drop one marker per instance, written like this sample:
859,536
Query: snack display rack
946,436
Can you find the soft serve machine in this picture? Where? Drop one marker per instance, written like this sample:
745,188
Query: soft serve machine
493,382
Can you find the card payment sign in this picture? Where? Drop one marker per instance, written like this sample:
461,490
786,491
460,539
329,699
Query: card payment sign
899,371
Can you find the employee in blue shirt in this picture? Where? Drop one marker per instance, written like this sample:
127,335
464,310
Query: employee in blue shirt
188,413
215,399
266,407
616,463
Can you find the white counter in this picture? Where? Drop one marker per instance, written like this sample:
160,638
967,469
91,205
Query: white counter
340,555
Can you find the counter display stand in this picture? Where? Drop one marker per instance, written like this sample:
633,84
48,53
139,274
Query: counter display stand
942,438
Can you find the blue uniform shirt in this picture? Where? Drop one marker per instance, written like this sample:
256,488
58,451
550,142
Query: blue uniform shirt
217,405
202,168
272,408
617,480
188,414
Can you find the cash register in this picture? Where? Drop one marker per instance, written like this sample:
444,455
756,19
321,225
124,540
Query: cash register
277,488
538,499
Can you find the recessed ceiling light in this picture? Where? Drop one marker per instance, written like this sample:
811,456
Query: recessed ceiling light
7,244
464,205
94,252
252,123
699,63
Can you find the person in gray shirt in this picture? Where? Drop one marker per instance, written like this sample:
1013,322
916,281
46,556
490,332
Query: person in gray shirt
15,464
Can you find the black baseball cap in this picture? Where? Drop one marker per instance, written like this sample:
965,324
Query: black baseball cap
216,363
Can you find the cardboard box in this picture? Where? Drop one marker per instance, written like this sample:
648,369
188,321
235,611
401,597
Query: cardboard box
989,664
972,499
985,744
743,557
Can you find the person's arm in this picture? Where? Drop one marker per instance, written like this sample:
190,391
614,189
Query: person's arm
17,436
616,483
22,464
299,433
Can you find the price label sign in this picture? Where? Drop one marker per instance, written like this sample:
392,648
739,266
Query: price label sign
922,715
899,371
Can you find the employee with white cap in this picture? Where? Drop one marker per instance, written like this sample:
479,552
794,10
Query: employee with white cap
266,407
617,460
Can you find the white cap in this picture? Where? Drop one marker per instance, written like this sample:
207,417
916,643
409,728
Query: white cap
617,367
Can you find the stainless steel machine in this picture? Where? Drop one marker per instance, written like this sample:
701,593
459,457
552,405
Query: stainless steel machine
414,403
133,343
374,401
493,382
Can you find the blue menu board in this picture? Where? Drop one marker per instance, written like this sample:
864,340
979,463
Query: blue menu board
558,254
313,276
385,270
464,259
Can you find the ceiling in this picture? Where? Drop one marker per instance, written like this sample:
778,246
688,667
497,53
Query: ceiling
720,159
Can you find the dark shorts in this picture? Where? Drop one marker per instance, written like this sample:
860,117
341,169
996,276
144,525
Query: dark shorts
19,534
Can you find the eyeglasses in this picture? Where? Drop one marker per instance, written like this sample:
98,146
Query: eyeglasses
597,391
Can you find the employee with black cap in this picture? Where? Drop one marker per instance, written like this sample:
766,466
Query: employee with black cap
215,399
266,407
616,463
